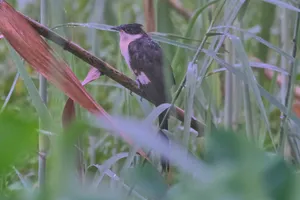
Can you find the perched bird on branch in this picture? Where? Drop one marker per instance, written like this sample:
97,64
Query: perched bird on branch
145,59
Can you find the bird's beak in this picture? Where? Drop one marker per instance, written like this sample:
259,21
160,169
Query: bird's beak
116,28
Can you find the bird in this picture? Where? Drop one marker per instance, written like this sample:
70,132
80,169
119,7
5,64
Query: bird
145,58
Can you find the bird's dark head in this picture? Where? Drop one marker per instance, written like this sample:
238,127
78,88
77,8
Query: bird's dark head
131,29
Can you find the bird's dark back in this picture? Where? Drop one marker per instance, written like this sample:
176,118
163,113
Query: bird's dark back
147,57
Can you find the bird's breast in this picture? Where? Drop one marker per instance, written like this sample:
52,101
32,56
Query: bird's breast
125,52
125,40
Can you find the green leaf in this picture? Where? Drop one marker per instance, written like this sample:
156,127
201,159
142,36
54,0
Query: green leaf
18,137
147,181
283,4
191,82
262,91
226,147
33,91
156,112
279,179
179,56
250,79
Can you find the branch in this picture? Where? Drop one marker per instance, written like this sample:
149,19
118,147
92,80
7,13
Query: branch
180,9
105,68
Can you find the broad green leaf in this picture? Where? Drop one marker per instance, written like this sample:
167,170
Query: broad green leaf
18,137
147,181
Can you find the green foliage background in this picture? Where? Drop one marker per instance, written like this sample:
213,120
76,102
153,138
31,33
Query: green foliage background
247,161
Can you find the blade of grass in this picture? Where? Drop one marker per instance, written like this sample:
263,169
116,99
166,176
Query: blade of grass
262,91
186,162
283,4
251,80
114,176
191,24
252,64
249,114
25,182
257,38
10,92
218,43
156,112
229,88
189,100
177,93
33,92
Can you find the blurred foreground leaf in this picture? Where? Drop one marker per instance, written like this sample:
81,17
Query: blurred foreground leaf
241,171
147,181
18,137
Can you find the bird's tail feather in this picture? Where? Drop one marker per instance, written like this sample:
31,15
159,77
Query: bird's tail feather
164,161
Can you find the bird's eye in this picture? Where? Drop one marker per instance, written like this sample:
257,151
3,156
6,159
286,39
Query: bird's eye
127,30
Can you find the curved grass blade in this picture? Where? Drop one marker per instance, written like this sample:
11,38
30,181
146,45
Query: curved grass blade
107,165
103,27
283,4
251,80
33,91
259,39
10,92
217,43
262,91
171,35
156,112
252,64
25,182
191,82
174,152
115,177
191,24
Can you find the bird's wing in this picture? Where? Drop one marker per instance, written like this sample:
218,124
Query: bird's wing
146,60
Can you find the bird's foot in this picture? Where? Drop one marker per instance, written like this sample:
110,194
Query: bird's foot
139,86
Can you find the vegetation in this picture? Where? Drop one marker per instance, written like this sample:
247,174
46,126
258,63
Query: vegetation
236,68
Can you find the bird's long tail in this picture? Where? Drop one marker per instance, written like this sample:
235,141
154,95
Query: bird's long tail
164,161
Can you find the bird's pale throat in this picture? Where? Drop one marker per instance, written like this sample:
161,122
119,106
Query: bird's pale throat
125,40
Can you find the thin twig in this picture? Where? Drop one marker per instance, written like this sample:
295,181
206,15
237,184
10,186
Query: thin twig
104,68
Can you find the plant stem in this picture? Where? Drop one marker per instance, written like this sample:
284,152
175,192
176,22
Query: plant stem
43,93
290,86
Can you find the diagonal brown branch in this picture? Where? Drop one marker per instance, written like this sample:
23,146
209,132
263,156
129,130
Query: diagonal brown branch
104,68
